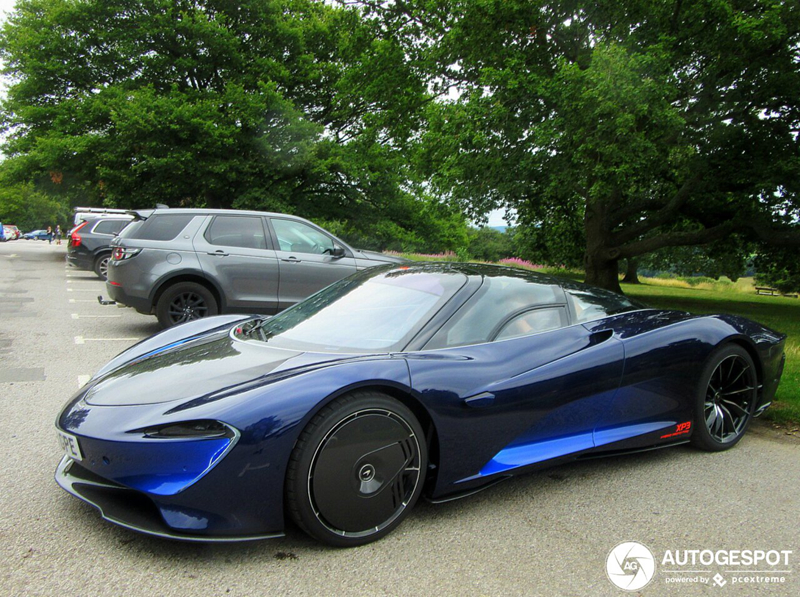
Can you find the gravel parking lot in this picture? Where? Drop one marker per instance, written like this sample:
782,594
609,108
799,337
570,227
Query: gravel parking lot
543,534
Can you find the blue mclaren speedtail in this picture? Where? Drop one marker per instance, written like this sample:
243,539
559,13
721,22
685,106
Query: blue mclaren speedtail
400,381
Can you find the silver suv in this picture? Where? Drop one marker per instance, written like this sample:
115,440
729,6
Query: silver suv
184,264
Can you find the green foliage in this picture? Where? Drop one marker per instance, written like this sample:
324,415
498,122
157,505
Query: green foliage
411,226
28,209
779,268
287,105
488,244
608,123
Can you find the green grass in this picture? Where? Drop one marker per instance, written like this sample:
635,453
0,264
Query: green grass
778,313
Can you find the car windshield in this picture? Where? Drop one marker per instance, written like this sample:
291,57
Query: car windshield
374,311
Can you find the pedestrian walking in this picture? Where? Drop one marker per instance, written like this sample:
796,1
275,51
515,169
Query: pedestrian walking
50,235
58,234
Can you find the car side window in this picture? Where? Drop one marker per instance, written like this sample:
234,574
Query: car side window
237,231
533,322
296,237
163,226
477,321
109,227
594,303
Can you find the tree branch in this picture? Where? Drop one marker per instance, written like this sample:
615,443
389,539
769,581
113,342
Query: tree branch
675,239
661,217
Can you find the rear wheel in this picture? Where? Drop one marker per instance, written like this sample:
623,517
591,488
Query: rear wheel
356,470
726,399
101,265
185,301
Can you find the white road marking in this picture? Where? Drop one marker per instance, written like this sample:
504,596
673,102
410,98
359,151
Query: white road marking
82,300
82,379
76,316
89,280
82,340
82,290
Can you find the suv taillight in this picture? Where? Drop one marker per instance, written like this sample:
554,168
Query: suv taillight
121,253
75,238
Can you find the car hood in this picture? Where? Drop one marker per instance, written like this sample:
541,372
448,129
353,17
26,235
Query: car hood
200,366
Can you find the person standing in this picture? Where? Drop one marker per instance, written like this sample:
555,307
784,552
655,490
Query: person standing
58,234
50,235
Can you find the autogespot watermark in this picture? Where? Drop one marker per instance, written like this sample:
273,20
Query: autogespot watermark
631,566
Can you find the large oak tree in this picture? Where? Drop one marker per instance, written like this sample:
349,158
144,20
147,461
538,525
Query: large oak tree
634,124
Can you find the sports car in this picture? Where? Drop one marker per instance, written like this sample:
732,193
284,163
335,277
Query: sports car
401,381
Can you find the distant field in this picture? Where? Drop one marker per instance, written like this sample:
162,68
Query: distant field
704,295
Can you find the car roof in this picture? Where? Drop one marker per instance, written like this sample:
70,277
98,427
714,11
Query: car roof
200,211
485,270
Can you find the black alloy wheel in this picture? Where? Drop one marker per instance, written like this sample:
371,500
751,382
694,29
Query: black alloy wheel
185,301
356,470
727,399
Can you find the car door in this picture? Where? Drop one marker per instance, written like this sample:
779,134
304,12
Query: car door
236,252
306,259
655,399
520,380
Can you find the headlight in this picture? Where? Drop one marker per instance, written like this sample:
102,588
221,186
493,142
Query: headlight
188,429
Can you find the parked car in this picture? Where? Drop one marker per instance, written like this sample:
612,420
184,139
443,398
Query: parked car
84,213
36,235
11,232
184,264
89,243
400,381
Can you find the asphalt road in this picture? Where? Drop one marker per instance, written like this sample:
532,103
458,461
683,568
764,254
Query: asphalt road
543,534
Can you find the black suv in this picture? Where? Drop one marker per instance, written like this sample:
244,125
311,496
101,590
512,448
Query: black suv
89,243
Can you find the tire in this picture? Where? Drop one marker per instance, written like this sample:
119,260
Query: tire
185,301
726,398
356,470
101,265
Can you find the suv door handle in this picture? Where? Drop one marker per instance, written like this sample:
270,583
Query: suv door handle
219,253
291,260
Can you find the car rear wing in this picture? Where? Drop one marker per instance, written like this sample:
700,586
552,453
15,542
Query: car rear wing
143,214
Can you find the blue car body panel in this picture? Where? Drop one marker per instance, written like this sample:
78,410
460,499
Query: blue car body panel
618,383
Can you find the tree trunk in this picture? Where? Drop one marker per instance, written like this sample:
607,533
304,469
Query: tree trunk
603,273
631,276
212,201
601,265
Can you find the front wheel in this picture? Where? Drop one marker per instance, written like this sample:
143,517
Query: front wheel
726,399
356,470
185,301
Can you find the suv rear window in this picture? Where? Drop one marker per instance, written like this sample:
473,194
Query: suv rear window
163,226
109,226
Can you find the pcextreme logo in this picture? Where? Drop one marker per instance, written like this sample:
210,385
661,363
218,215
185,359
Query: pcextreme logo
630,566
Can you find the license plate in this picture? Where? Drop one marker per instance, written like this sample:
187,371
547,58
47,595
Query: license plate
70,444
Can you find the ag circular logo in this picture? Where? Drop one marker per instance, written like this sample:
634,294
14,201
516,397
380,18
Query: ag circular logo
630,566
